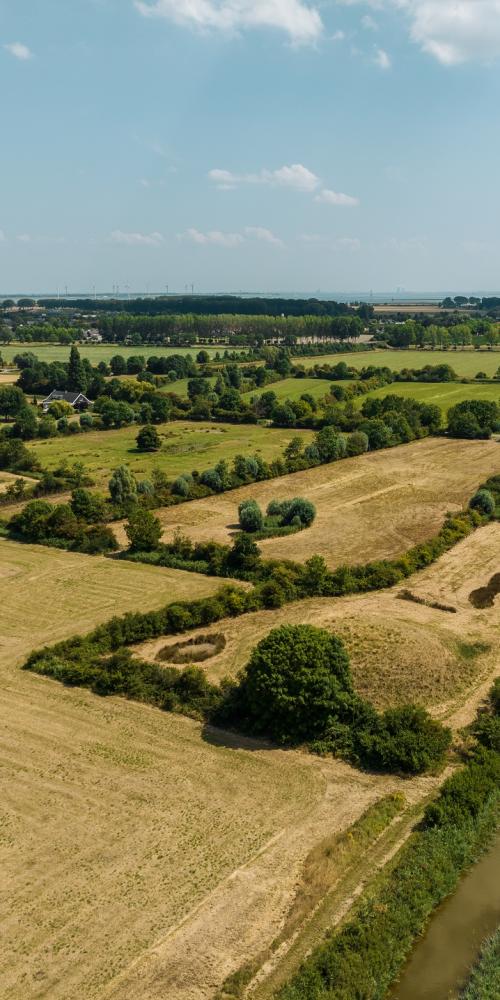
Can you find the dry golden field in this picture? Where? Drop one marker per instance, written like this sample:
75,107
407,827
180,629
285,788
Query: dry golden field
125,835
144,859
372,507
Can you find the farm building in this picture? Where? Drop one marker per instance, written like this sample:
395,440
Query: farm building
75,399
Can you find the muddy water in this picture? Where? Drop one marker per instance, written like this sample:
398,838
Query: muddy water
441,961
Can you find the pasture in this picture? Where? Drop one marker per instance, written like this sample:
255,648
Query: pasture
185,446
466,363
102,352
442,394
138,858
293,388
371,507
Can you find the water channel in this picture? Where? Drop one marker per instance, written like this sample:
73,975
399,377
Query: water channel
441,961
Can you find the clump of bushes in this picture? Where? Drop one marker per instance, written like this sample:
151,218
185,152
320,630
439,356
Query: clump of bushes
483,501
61,527
283,517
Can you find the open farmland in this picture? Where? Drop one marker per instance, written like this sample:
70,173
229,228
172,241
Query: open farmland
449,664
371,507
467,363
185,446
442,394
103,352
125,835
400,651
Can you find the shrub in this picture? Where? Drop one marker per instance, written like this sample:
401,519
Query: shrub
483,501
181,486
404,739
250,516
357,443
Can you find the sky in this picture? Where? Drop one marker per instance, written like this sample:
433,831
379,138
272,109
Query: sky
249,145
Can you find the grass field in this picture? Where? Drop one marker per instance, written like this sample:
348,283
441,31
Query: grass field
185,446
293,388
123,833
466,363
101,352
444,394
371,507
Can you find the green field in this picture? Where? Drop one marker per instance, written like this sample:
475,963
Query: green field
185,446
443,394
99,352
293,388
466,363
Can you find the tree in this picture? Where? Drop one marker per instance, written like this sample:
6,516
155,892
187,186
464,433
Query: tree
404,739
26,424
357,443
250,515
123,486
297,680
77,379
330,444
12,401
144,530
118,365
203,357
87,506
302,509
148,439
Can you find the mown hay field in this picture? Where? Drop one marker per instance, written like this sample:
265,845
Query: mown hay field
371,507
185,446
117,821
400,650
466,362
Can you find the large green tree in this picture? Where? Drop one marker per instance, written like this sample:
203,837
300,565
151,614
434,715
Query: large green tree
77,378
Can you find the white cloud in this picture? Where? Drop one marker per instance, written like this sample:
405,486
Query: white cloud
369,23
135,239
336,198
453,31
19,51
24,238
213,237
338,36
301,22
295,176
264,235
382,59
3,238
342,243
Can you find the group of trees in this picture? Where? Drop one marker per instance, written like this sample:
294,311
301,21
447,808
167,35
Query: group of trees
282,517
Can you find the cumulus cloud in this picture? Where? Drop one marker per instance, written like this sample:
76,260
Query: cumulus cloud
295,176
336,198
135,239
300,21
19,51
214,237
382,59
264,235
453,31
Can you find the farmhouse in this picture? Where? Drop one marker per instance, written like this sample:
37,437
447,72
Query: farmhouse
75,399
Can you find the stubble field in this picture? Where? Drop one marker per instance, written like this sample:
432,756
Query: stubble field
372,507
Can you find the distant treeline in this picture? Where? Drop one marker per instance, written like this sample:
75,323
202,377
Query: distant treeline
207,304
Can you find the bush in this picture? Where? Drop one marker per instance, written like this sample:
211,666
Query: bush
123,486
181,486
302,509
483,501
404,739
148,439
250,516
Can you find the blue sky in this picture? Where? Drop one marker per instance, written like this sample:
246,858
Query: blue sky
292,145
